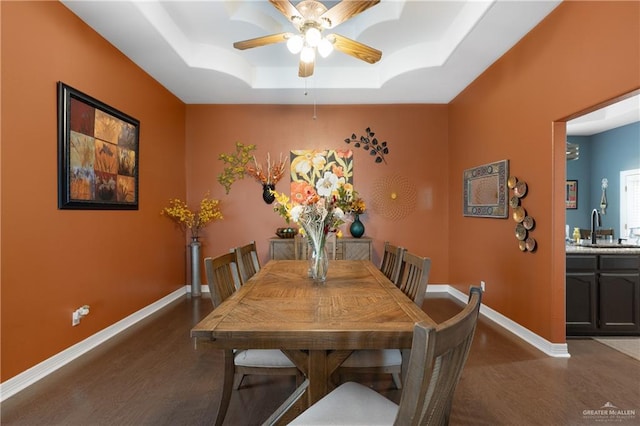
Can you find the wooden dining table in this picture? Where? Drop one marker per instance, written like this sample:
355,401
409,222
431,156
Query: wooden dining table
317,325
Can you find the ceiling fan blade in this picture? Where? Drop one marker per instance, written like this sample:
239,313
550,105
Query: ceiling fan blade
346,9
305,69
355,49
262,41
286,8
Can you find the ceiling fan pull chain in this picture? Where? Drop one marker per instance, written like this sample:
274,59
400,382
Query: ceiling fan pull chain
306,92
314,107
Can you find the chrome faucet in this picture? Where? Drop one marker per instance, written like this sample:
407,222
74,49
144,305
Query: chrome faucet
596,221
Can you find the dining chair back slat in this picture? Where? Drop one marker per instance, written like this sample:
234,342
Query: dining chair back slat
391,261
247,260
414,276
222,277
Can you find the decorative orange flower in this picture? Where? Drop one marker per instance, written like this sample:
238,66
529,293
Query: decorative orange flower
301,191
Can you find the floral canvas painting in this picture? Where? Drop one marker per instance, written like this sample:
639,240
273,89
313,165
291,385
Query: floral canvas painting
308,166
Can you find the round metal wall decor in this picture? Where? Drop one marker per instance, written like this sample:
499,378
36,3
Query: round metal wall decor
524,222
394,197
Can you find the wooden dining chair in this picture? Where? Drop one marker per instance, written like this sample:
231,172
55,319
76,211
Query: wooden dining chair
413,278
247,260
438,356
391,261
223,279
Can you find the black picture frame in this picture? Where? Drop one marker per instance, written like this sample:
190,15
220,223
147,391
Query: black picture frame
98,154
571,195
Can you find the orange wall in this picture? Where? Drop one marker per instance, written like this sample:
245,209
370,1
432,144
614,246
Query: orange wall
583,54
417,140
54,261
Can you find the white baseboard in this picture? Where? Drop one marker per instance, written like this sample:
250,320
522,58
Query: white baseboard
557,350
48,366
37,372
204,288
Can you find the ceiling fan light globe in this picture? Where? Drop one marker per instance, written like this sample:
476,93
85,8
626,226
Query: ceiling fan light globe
308,55
312,36
295,43
325,47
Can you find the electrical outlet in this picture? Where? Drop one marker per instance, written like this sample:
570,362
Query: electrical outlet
77,315
482,284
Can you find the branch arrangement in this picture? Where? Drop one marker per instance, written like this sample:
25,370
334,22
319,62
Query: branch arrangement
269,175
370,143
236,163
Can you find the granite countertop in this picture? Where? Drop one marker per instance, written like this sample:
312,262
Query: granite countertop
605,248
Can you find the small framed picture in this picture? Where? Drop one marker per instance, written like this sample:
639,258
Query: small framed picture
571,200
98,154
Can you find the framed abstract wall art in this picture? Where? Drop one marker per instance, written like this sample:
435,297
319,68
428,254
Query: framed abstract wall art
485,190
98,154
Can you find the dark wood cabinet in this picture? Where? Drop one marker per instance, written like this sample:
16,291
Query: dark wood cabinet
603,294
581,302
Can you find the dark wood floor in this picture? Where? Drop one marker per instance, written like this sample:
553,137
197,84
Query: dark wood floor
153,374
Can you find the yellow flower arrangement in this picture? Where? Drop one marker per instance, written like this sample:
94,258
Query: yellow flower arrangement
349,201
358,206
179,212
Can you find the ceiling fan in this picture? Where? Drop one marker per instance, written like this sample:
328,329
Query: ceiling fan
311,18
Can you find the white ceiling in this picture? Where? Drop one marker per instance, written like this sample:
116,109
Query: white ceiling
615,115
431,49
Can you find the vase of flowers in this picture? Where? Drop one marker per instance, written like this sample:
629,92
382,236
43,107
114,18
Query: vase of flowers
356,207
267,192
194,221
267,175
317,211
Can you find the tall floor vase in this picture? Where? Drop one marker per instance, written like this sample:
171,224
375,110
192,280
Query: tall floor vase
196,288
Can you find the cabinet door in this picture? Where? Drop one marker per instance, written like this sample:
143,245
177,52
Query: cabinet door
619,302
282,248
357,249
581,303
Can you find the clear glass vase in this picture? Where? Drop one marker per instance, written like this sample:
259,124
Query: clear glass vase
318,263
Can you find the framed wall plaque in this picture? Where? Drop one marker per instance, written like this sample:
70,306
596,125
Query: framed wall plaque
98,154
485,190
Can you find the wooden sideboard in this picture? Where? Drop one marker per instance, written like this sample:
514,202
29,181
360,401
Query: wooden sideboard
347,248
